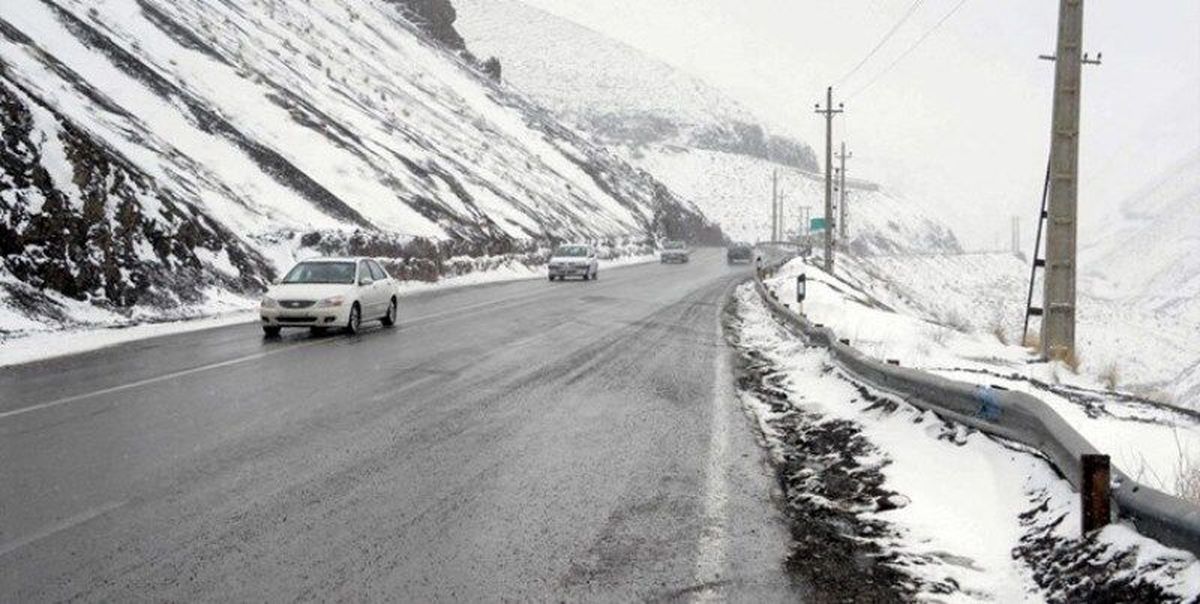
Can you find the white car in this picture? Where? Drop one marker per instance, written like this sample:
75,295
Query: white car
574,260
325,293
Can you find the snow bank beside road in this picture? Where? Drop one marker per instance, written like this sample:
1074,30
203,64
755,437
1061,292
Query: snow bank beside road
965,516
944,334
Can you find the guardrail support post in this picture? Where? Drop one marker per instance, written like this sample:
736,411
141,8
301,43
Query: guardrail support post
1094,492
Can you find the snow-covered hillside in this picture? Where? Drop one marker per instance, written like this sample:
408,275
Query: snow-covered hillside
700,142
735,191
161,154
1147,261
616,92
1143,350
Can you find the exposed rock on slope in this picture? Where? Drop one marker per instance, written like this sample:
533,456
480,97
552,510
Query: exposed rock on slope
201,142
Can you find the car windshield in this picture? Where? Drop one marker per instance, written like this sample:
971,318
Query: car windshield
673,245
321,272
571,251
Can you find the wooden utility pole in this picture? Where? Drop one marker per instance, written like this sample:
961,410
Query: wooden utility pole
829,112
842,157
1058,320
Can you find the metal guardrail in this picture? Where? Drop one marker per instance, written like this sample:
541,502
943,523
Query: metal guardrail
1015,416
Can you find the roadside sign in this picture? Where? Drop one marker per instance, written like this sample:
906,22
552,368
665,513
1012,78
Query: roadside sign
816,224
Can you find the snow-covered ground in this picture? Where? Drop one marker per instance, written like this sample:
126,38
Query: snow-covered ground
940,313
38,342
735,191
967,517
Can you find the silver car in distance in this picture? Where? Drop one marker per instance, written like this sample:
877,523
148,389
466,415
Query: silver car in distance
324,293
574,260
675,251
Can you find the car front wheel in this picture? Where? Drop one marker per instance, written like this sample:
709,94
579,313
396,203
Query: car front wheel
272,331
389,319
354,324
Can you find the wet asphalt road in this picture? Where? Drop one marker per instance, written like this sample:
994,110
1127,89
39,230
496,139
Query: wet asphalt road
521,441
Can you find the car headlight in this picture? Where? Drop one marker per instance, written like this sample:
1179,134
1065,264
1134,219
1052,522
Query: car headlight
332,302
269,302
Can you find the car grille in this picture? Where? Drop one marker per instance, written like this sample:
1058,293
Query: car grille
296,319
296,303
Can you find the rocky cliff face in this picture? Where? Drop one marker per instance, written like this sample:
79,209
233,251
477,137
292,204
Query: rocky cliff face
98,229
435,18
159,155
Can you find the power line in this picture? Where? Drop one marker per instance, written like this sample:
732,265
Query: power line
891,32
917,44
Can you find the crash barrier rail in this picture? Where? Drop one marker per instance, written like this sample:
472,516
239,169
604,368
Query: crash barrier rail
1015,416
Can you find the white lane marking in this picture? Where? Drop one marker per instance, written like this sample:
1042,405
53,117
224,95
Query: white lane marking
60,526
245,359
161,378
710,567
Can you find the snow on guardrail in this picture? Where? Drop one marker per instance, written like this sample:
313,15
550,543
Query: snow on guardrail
1015,416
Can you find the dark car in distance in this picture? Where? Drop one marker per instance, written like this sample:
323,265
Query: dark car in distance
739,252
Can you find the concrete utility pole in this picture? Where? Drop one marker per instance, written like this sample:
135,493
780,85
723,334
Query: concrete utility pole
1058,320
829,112
842,157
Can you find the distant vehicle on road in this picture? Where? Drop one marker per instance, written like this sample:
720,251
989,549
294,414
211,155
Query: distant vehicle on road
325,293
674,251
739,252
574,260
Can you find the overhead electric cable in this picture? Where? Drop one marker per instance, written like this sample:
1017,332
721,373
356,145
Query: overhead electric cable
891,32
917,44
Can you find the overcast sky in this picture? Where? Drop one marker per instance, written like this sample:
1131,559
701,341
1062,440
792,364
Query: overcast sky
964,119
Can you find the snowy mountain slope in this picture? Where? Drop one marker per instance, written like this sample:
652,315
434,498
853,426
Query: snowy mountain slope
239,132
1147,261
693,137
985,294
1151,250
735,191
613,90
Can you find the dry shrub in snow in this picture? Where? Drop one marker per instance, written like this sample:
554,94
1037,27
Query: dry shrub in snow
1187,472
1033,340
1000,333
955,320
997,326
1110,375
936,334
1187,481
1072,362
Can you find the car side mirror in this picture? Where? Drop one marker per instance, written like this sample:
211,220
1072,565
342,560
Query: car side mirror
365,281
